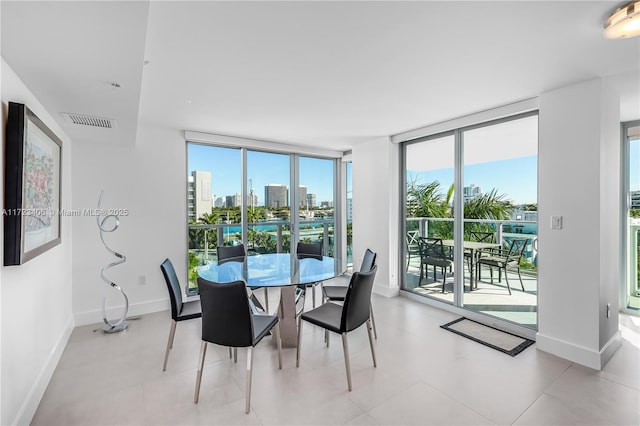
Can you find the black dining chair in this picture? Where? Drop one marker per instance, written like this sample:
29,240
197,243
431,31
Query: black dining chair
341,319
180,311
227,254
338,293
231,254
309,251
227,320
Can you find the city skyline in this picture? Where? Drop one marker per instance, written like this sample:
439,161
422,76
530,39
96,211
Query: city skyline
225,166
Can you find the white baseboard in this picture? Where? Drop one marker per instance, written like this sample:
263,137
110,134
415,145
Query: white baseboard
31,402
385,290
579,354
114,314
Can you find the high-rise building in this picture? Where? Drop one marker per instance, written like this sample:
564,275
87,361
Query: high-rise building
252,200
199,197
635,199
471,192
276,195
302,196
311,200
349,209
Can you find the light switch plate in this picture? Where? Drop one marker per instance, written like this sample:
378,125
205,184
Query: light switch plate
556,222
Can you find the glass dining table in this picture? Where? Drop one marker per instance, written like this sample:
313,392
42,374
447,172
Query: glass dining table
282,270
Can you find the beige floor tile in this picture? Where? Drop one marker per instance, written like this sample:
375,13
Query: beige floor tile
425,375
421,404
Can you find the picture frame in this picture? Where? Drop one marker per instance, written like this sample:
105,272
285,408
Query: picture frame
33,170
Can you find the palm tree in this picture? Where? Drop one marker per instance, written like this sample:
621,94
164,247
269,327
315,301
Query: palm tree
428,200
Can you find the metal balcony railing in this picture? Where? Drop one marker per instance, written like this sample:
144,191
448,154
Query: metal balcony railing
506,230
263,237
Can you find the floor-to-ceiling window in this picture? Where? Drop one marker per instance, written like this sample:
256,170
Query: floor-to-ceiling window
631,181
244,196
490,240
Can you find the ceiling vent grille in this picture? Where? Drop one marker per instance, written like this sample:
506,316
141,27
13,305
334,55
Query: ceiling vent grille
87,120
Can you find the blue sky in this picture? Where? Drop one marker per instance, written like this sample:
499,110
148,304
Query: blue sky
516,178
263,168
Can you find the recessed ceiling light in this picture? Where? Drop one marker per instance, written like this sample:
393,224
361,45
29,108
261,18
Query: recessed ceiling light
624,22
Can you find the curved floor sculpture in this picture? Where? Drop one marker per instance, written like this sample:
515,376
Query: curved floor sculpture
110,223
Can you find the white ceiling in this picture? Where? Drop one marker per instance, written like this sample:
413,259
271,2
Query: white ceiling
326,73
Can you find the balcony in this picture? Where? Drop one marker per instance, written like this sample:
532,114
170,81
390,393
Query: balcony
488,298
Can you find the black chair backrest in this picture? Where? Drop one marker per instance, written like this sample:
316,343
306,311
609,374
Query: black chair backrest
231,254
357,303
516,248
173,285
431,248
368,261
483,236
309,250
226,316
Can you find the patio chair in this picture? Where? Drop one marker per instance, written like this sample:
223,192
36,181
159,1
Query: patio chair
432,253
481,237
503,259
411,240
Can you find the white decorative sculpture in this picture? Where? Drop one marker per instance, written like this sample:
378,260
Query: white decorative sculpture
103,222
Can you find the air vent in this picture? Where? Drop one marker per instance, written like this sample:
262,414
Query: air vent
87,120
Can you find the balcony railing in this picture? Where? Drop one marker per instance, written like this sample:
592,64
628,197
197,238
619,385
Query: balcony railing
263,237
506,230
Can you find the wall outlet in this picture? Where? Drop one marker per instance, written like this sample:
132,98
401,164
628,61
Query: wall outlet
142,279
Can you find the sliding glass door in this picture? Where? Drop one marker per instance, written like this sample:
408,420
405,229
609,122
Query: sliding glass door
500,207
470,231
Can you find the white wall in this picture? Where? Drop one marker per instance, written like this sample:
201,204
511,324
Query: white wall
579,159
375,209
36,296
148,179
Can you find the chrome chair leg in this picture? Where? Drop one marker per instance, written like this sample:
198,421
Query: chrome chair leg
230,353
373,351
347,365
203,353
313,295
172,333
373,321
249,365
266,299
235,354
279,344
299,341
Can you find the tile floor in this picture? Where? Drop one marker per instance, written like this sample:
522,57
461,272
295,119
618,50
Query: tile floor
425,376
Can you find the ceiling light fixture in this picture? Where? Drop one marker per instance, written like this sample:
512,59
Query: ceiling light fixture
624,22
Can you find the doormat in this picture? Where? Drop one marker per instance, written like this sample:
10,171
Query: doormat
499,340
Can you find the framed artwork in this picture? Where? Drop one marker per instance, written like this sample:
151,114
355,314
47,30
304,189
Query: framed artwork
33,156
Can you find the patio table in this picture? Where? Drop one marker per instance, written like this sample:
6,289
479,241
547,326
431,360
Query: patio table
474,248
